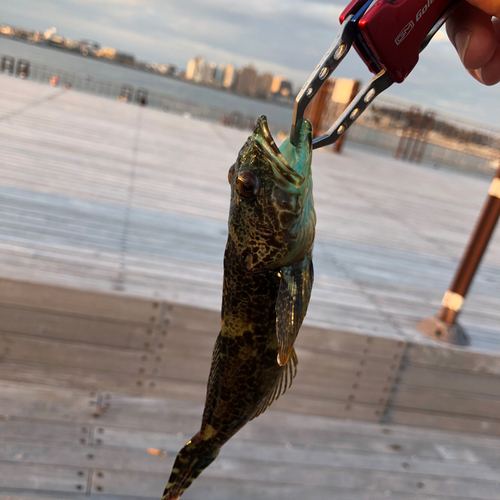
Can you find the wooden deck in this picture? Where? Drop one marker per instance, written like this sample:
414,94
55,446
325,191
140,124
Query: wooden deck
98,393
112,229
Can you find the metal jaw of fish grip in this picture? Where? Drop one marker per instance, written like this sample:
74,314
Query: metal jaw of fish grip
324,69
320,75
372,89
388,35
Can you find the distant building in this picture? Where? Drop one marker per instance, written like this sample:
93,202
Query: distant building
166,69
195,68
87,47
68,43
55,41
48,33
124,58
247,81
208,73
264,83
286,88
229,80
225,76
106,53
220,73
276,85
281,87
6,30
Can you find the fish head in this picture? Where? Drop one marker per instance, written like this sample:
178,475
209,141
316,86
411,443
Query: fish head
271,217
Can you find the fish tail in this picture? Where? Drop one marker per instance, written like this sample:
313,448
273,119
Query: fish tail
193,458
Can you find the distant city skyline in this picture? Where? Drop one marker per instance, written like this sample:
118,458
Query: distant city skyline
244,81
281,38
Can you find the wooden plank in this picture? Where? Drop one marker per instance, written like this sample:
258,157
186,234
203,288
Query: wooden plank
455,359
43,478
292,401
323,431
466,382
67,405
26,349
347,460
76,301
183,319
114,482
322,365
132,413
32,495
214,489
82,457
32,429
448,402
70,377
207,488
47,324
318,370
347,342
446,421
353,439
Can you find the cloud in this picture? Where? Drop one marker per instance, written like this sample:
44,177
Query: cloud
285,37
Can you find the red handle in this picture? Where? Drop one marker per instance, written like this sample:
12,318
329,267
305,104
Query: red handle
394,31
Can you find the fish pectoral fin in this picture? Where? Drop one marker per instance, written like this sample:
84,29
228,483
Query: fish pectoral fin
282,383
291,305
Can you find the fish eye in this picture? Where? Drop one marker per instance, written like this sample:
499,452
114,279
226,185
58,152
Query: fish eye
247,184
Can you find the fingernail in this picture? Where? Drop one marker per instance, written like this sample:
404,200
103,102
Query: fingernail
462,38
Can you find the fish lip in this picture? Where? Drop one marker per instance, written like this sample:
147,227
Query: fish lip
284,159
262,128
295,159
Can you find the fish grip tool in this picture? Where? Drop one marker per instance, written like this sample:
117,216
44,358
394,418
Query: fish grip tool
389,36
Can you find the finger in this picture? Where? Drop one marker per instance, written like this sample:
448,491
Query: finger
490,72
491,7
475,74
496,26
472,33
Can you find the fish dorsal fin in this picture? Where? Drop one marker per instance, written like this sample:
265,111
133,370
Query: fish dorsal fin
291,305
283,382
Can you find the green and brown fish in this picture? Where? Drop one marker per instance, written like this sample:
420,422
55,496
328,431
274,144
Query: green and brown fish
268,277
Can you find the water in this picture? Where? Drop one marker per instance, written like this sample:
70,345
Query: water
74,63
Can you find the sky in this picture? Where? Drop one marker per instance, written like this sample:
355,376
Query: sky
285,37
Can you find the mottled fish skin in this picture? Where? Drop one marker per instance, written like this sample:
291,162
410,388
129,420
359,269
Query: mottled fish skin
267,282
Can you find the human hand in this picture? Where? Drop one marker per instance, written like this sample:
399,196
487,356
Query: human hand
474,30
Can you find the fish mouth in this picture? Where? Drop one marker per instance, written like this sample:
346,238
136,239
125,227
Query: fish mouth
295,159
262,129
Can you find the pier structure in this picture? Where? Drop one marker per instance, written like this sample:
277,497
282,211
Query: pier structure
113,221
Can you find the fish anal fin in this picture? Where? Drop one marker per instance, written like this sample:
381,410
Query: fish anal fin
282,383
291,305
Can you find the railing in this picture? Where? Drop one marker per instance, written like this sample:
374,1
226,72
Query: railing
418,134
128,93
391,125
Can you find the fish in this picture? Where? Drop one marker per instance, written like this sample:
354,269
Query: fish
267,283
